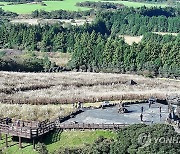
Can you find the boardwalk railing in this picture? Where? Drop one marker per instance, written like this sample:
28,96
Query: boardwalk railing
28,132
16,131
41,130
91,126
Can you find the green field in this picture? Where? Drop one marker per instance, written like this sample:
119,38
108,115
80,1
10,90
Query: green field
51,5
66,139
65,5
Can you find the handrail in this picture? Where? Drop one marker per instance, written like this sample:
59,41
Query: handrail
91,126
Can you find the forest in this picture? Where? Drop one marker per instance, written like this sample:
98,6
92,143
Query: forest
100,5
139,21
153,57
98,47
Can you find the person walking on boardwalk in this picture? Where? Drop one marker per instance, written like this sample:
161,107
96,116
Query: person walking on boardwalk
152,121
160,109
178,123
141,116
149,104
142,109
160,116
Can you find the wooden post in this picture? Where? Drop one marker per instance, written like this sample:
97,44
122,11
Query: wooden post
33,143
6,140
20,143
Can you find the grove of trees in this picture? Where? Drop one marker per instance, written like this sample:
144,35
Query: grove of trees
93,52
100,5
139,21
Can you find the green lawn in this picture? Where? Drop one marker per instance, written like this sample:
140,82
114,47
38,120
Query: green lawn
65,5
62,140
51,5
77,138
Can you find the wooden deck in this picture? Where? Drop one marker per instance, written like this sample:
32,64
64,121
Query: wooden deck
26,132
33,130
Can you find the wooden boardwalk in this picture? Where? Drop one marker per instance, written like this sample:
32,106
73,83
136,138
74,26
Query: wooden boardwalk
26,131
33,130
30,133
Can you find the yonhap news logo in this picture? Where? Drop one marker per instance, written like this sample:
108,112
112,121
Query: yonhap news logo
145,139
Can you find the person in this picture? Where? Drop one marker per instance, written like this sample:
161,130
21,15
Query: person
160,116
170,116
141,116
160,109
149,104
18,123
178,123
7,120
152,119
142,109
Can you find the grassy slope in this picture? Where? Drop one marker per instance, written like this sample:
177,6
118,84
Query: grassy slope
67,139
65,5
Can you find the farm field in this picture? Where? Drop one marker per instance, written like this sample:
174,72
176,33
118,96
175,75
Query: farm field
70,87
65,139
165,33
65,5
130,39
76,22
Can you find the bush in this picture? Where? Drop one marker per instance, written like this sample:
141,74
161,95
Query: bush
41,148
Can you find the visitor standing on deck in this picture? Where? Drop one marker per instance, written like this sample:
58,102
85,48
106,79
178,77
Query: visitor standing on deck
141,116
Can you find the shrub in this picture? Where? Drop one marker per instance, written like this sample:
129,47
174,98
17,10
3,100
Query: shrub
41,148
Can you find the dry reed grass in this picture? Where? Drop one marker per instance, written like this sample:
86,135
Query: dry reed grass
34,112
69,87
